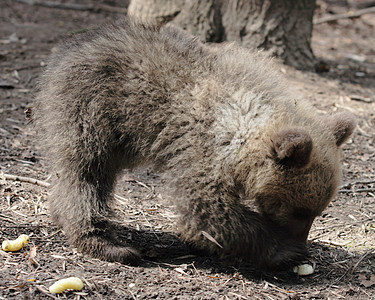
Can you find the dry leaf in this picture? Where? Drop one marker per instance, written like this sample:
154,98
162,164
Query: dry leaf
33,252
180,270
32,255
367,282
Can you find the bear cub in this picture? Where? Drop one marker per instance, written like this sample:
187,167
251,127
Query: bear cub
248,163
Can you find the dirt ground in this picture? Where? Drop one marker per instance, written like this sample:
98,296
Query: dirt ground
342,240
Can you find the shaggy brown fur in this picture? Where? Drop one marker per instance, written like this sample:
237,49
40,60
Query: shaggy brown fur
218,122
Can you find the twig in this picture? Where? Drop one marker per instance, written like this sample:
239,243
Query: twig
349,184
364,3
348,15
346,188
143,184
45,292
338,225
361,259
76,6
360,98
25,179
351,270
357,191
152,228
237,295
131,293
8,219
332,243
120,199
196,271
139,183
3,253
162,263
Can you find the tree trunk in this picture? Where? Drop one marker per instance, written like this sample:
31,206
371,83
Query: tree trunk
281,27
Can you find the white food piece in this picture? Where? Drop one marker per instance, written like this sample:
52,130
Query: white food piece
16,244
71,283
303,270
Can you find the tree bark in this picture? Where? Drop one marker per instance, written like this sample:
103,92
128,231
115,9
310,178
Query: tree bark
281,27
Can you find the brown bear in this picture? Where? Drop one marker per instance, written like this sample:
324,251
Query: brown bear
250,165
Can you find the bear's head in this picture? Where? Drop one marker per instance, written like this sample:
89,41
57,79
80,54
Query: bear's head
303,173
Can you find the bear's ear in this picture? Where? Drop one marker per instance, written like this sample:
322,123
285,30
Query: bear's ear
292,147
342,125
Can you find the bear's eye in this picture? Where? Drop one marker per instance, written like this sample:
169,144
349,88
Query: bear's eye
302,213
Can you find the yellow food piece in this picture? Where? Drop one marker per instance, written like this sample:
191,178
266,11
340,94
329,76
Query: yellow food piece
16,244
71,283
304,269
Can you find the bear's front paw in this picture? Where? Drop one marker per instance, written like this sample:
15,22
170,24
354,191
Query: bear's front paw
105,249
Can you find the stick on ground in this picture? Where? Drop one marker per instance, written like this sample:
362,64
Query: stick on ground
25,179
76,6
348,15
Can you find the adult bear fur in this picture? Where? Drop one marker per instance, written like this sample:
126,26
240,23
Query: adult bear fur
251,165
